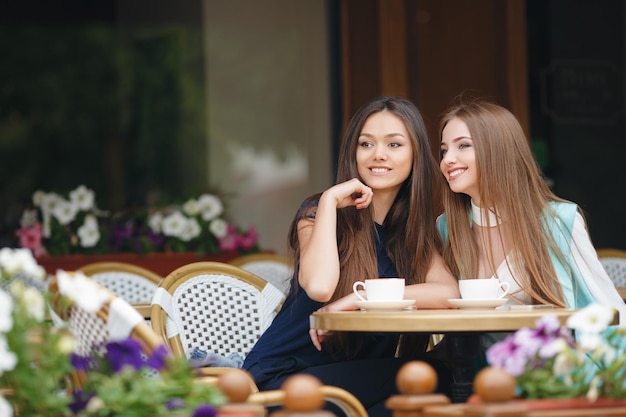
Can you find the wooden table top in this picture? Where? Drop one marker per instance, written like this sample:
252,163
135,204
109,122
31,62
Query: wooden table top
435,321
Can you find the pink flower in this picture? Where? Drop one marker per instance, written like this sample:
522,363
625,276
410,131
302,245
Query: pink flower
30,238
229,242
248,240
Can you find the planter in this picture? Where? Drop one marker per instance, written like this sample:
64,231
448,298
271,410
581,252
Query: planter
160,263
543,404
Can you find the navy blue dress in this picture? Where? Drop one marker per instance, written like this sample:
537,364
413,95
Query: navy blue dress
286,348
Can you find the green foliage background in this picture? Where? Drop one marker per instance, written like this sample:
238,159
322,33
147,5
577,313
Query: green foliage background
120,110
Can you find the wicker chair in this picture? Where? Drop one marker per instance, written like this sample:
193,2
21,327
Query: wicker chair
115,320
344,400
273,268
614,263
133,283
215,307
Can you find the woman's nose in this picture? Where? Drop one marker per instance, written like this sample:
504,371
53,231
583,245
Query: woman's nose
380,153
448,158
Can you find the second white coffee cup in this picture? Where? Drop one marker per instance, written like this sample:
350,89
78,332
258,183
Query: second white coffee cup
380,289
484,288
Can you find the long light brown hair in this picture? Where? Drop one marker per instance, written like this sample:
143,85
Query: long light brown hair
411,236
510,180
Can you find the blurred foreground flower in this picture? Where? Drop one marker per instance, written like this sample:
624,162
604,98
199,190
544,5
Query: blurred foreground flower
549,362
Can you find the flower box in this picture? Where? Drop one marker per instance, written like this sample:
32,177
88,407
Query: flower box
161,263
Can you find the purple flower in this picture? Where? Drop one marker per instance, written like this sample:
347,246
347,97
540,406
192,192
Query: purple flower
529,348
124,353
205,410
80,363
158,358
175,403
508,355
155,239
80,401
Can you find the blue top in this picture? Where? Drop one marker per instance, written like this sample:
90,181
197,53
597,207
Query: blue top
286,348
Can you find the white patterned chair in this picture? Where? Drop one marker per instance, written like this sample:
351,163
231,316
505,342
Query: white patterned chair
273,268
614,263
116,320
214,307
133,283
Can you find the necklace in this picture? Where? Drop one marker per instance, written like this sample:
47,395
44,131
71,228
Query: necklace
479,216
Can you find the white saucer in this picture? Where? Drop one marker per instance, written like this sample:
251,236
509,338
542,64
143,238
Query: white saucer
478,303
385,305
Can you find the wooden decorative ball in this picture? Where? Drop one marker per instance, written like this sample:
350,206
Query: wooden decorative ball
416,377
303,393
235,385
494,385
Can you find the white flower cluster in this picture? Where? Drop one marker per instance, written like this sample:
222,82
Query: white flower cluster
65,211
185,223
13,262
82,290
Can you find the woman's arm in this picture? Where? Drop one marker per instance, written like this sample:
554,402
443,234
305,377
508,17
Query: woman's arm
592,272
440,286
319,255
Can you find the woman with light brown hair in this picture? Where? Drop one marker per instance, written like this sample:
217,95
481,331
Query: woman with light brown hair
377,221
502,221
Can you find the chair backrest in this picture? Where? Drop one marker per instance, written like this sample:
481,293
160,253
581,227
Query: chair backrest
116,320
344,400
133,283
273,268
614,263
215,307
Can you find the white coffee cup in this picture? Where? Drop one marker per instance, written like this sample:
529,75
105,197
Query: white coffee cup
380,289
484,288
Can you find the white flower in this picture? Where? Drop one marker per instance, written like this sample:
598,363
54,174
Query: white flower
191,229
38,197
49,202
35,304
191,207
65,211
589,341
8,359
155,222
592,394
13,261
88,233
563,365
29,218
174,224
83,291
66,344
219,228
94,404
6,308
210,206
83,197
592,319
6,410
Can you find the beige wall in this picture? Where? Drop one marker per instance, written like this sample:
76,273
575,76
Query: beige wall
268,109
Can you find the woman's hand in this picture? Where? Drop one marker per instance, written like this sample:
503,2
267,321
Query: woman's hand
350,193
346,303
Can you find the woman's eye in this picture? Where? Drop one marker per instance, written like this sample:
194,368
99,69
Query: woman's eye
365,144
464,145
442,152
395,145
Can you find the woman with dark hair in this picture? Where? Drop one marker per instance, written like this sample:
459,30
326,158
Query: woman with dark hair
502,221
377,221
